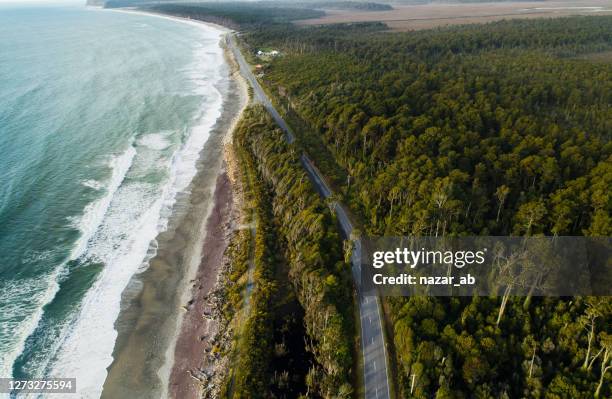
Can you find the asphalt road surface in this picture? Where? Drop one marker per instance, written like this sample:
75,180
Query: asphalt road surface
376,376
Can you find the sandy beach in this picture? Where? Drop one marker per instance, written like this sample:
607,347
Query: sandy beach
199,327
162,334
194,361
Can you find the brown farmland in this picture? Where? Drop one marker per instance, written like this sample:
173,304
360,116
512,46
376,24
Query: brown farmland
424,16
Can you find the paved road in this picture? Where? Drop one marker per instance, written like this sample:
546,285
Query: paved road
376,377
260,95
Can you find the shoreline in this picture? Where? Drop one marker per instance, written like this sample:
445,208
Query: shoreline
194,22
193,360
153,327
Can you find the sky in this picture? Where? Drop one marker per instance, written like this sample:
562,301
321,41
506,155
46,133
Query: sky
42,1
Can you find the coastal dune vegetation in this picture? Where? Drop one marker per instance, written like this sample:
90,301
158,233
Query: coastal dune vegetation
299,332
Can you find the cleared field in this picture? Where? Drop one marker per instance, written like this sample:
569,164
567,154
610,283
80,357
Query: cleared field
404,17
605,57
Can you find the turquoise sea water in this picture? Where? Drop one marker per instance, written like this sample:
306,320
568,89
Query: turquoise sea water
102,115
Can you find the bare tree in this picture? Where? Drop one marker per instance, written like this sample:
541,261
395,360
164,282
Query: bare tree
506,275
501,193
606,362
588,321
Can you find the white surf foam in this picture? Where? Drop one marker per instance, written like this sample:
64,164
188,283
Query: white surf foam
24,297
125,240
93,184
155,141
93,215
30,296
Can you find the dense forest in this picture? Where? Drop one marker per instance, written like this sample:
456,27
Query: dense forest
488,130
472,130
239,15
298,338
496,129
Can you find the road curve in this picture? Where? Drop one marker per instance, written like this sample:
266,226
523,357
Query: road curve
376,375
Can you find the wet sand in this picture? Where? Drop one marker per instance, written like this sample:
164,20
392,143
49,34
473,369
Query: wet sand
194,344
153,320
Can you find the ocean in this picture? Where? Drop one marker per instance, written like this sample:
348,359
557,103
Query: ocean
102,118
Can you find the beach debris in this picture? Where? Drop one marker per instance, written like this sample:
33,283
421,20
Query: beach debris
199,376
